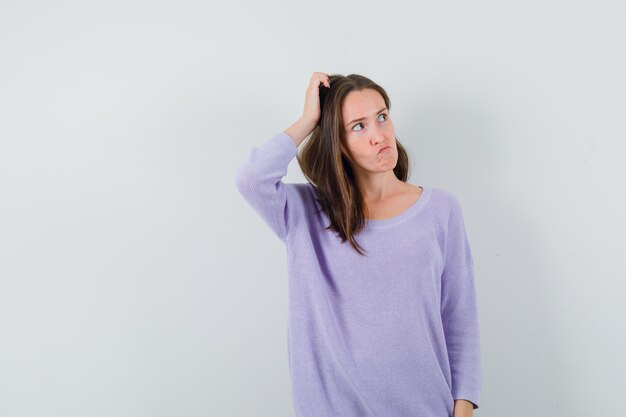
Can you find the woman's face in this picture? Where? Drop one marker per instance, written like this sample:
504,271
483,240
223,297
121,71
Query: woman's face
368,131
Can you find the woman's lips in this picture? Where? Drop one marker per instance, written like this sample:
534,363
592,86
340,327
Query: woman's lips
384,149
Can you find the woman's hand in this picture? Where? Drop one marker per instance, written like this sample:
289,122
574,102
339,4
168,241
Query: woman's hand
312,109
463,408
302,127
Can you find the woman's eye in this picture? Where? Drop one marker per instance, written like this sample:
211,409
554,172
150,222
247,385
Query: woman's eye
382,114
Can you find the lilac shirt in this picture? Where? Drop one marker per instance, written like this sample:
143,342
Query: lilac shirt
390,334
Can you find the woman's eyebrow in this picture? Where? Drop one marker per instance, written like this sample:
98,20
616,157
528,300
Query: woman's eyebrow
363,118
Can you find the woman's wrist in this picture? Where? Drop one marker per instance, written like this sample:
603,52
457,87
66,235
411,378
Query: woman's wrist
463,408
300,129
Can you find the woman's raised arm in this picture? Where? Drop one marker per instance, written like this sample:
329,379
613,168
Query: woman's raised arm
259,178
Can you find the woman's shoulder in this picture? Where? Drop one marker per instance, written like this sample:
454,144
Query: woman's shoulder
305,193
443,199
442,193
303,189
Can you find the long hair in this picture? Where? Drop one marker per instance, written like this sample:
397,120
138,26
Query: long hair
328,169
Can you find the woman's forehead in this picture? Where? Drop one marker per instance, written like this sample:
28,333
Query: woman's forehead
363,103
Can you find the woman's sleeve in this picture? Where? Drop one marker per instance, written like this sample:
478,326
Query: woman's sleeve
459,310
259,180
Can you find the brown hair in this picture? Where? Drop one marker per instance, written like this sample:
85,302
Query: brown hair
328,169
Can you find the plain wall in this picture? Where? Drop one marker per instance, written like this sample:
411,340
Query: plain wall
136,281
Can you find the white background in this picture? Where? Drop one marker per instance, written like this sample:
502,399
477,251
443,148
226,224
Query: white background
136,281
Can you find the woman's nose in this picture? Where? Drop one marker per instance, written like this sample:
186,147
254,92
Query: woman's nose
377,135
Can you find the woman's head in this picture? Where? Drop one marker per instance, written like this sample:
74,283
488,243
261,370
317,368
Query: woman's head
345,146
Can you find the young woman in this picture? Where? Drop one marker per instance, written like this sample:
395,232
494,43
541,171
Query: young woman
382,305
